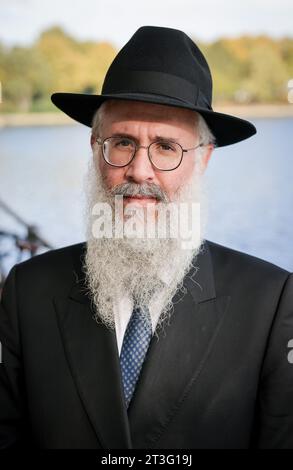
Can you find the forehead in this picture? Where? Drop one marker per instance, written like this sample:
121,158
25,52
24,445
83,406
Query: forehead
121,112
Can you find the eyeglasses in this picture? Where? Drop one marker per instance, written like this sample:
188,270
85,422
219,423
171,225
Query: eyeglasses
165,155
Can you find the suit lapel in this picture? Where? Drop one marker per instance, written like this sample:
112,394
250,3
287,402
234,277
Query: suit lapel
92,354
175,360
173,363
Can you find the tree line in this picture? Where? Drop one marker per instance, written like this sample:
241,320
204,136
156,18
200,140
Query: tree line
247,69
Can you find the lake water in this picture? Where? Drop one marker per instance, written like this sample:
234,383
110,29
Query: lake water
250,186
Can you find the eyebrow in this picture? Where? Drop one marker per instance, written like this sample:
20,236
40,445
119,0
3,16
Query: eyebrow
156,138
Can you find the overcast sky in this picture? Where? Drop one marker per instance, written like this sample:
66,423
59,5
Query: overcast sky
21,21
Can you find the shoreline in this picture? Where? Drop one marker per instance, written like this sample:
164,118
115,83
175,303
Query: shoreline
58,118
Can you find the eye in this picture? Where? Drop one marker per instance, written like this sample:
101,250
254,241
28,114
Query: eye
166,147
123,142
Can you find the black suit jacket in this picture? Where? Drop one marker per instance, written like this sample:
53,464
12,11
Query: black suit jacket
220,377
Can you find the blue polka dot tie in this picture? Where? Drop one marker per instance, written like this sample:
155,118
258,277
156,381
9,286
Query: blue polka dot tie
135,345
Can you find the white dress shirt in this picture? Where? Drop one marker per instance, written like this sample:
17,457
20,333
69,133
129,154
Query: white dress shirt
123,308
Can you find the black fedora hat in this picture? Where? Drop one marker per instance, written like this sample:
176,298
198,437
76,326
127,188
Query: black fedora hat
163,66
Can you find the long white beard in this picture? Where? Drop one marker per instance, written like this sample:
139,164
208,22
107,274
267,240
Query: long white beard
115,267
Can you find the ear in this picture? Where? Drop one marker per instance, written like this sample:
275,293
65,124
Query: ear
93,140
206,157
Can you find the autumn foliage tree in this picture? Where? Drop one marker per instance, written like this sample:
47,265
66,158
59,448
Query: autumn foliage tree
245,69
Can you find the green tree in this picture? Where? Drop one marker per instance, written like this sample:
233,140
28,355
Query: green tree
267,80
244,69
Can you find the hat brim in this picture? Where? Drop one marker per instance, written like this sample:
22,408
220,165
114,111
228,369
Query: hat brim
226,128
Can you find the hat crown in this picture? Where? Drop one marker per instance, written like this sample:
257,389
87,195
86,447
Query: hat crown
160,66
162,61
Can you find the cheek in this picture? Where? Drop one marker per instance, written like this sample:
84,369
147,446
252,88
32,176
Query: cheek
186,170
188,164
169,182
173,180
112,176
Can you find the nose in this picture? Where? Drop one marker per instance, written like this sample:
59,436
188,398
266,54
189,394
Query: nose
140,169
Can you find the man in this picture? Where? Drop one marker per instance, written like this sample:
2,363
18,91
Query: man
135,341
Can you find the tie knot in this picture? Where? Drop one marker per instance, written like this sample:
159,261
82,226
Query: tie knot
142,314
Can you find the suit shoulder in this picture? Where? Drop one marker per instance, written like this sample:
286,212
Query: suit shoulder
234,261
57,263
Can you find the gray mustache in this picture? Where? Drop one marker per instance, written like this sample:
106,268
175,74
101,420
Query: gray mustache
144,189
